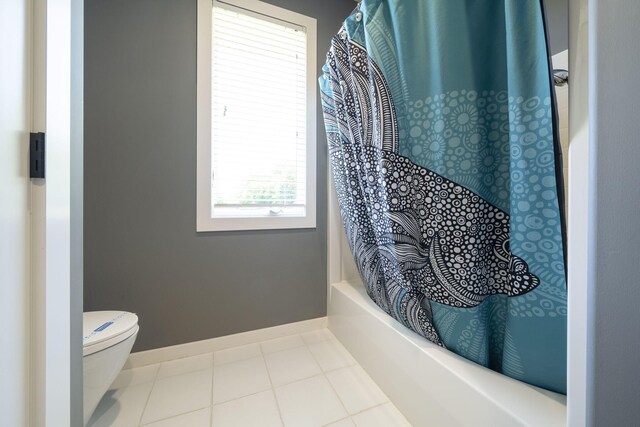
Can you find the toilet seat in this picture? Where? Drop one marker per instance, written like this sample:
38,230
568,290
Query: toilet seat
103,329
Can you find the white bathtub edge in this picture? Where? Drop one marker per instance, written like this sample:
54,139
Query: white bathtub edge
431,385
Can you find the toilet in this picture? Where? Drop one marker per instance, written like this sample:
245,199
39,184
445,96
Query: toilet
107,340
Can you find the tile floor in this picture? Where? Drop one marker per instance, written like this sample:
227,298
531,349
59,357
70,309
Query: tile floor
307,380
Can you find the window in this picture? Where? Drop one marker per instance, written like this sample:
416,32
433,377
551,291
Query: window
256,117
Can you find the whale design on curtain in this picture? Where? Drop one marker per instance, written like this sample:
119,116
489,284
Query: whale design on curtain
442,136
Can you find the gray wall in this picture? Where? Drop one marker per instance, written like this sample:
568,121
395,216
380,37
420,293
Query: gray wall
142,253
613,374
557,20
77,83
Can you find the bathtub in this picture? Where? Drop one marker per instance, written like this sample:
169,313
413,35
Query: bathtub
428,384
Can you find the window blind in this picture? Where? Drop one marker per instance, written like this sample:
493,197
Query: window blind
258,135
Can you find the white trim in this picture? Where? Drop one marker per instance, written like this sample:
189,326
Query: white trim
16,37
51,223
269,13
272,11
203,115
158,355
58,211
579,234
38,219
204,220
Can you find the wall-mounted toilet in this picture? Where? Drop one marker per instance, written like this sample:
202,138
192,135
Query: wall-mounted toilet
107,340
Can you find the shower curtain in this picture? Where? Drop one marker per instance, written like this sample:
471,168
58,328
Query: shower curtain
442,134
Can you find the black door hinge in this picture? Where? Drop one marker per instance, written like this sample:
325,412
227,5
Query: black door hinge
36,155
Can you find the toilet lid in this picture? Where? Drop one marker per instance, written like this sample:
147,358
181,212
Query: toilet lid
102,329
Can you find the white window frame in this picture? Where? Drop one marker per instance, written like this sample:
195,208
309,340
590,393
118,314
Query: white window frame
204,221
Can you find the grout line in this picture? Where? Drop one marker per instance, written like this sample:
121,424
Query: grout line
146,403
373,407
241,397
246,395
132,385
284,349
213,378
172,417
340,399
273,390
346,411
354,362
307,377
156,379
326,378
238,360
322,340
182,373
341,367
337,421
306,347
299,380
388,402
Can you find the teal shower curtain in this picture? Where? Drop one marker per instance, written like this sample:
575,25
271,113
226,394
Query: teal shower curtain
442,133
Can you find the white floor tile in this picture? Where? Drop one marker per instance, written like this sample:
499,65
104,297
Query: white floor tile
200,418
356,389
236,353
185,365
237,379
342,423
121,408
283,343
317,336
331,355
309,403
257,410
135,376
291,365
178,394
381,416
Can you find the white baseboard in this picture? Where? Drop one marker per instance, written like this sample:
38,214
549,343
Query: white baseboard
158,355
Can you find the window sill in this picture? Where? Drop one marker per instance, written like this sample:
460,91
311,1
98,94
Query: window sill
256,223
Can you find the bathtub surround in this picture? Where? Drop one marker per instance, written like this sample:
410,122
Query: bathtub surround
448,170
142,253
